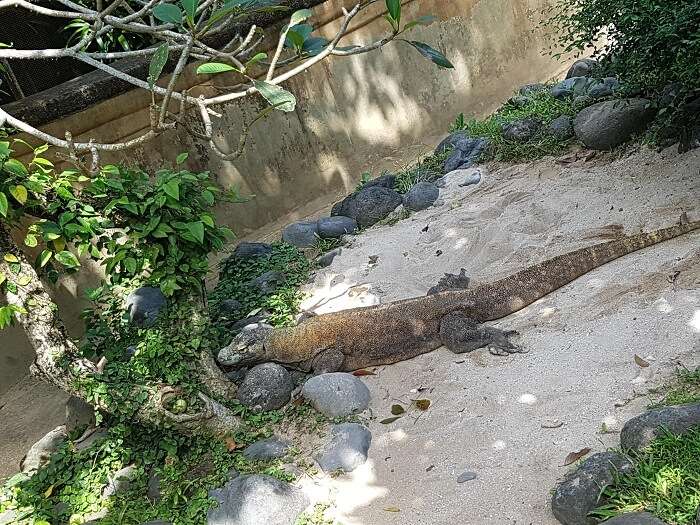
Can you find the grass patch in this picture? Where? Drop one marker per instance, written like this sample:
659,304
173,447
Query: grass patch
685,389
541,106
666,481
328,245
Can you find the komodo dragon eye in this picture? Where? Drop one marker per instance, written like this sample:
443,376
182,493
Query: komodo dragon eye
247,348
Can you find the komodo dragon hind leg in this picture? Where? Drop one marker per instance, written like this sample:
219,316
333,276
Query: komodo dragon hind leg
326,361
462,334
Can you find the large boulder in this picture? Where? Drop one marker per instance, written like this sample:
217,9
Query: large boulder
521,130
638,432
581,490
421,196
336,394
301,234
561,128
144,305
635,518
256,500
582,68
369,205
335,227
41,451
346,449
247,250
266,387
266,449
465,150
606,125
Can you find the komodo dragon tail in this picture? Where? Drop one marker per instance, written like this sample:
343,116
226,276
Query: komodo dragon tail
533,283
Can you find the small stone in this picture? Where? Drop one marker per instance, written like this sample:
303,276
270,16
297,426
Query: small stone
266,387
153,492
256,500
326,259
267,449
301,234
582,68
90,440
268,282
465,150
600,90
572,87
78,414
421,196
347,448
336,394
236,376
335,227
119,481
471,179
41,451
466,476
521,130
552,423
246,250
640,431
531,89
144,305
519,101
635,518
561,128
253,320
230,307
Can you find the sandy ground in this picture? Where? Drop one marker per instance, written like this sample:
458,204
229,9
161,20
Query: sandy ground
487,412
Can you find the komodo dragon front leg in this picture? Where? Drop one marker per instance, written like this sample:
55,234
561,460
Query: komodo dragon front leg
462,334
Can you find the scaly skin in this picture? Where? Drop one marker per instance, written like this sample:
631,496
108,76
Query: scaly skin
384,334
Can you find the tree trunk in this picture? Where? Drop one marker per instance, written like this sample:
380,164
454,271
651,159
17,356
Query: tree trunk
58,360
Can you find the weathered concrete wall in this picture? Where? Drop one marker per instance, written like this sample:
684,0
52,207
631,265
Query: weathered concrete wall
351,113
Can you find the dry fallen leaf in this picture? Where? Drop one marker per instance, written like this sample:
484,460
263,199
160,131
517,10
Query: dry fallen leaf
360,373
392,509
641,362
231,444
422,404
389,420
397,410
575,456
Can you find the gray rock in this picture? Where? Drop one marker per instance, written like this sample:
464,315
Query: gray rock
144,305
466,476
266,387
572,87
582,68
581,489
91,439
583,101
301,234
421,196
521,130
249,321
8,517
230,307
670,94
236,376
638,432
635,518
600,90
384,181
519,101
256,500
268,282
471,179
336,394
247,250
466,151
347,448
267,449
326,259
606,125
561,128
119,482
78,414
41,451
531,89
334,227
153,492
94,518
369,205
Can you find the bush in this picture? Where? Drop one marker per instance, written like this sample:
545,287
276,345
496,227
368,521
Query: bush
650,43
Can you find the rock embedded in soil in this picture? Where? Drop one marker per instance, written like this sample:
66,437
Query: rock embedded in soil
41,451
256,500
119,482
346,449
638,432
301,234
78,414
421,196
144,305
266,449
369,205
336,394
581,489
246,250
465,150
266,387
521,130
635,518
466,476
561,128
582,68
335,227
606,125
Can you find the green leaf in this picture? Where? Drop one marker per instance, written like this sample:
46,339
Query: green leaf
208,197
394,8
67,259
4,205
130,265
257,58
172,189
24,280
431,54
182,157
19,192
279,98
314,45
31,240
190,8
5,317
44,258
299,16
421,21
3,278
11,258
65,218
168,13
5,150
197,230
213,68
158,61
15,167
207,219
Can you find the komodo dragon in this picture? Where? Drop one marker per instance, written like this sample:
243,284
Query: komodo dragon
383,334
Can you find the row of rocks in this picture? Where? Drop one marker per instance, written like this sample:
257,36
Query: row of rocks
306,234
581,490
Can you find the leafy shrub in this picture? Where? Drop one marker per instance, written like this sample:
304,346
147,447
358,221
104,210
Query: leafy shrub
650,43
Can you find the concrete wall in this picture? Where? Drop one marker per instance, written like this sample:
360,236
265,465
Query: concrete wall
352,114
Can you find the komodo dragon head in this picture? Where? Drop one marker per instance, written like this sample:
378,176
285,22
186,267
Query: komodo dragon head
247,348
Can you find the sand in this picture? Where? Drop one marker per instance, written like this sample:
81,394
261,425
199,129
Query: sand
487,413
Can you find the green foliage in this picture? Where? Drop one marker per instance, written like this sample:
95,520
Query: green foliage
665,482
685,389
650,43
427,169
328,245
316,517
541,106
